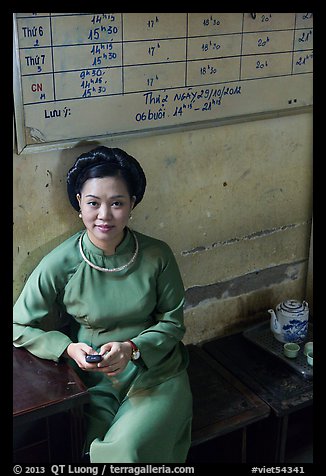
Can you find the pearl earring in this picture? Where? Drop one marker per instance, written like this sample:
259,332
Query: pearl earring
80,215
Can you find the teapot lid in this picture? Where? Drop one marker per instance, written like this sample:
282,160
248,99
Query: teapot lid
292,305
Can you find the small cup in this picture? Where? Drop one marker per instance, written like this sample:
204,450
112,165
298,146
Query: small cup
310,358
291,350
309,346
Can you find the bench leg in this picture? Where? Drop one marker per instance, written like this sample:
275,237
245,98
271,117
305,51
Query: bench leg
281,439
77,433
244,445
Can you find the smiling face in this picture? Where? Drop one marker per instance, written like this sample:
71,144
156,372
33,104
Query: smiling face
105,206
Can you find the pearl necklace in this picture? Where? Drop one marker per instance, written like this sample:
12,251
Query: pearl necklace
109,270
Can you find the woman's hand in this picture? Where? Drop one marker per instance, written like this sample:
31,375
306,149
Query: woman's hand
77,352
116,356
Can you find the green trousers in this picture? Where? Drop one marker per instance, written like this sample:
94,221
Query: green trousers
151,425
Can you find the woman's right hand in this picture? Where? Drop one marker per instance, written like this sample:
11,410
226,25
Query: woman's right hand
77,352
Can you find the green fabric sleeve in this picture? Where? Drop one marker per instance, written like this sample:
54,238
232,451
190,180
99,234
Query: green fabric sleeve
32,308
157,341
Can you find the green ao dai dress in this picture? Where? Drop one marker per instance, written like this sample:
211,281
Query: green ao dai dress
142,415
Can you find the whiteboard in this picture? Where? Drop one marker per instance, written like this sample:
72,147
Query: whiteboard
86,75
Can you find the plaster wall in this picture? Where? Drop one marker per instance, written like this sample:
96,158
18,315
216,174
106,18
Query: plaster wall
234,203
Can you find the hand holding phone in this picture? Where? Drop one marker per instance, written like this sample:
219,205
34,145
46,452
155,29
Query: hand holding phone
93,358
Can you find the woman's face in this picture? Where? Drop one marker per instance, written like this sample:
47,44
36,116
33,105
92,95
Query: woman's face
105,206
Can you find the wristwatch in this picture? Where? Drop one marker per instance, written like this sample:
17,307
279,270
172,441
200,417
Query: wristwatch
135,352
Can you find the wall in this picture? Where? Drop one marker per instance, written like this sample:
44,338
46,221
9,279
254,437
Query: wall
310,272
234,202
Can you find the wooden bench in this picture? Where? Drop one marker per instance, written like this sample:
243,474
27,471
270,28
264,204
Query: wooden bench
221,403
288,394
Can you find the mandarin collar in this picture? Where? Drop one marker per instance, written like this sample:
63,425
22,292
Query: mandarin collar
96,250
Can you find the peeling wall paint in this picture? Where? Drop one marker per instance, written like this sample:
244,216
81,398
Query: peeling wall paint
252,236
245,284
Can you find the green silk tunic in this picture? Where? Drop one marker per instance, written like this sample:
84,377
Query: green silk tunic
143,302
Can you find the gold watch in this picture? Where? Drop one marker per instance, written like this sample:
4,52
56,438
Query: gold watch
135,352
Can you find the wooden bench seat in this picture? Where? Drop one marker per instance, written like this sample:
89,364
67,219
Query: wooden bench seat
221,403
288,394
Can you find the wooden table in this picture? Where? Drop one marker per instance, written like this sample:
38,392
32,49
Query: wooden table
221,403
42,390
282,388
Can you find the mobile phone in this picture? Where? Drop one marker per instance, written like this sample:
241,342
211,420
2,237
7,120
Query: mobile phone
93,358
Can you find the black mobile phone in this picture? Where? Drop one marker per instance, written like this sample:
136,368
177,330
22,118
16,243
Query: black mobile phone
93,358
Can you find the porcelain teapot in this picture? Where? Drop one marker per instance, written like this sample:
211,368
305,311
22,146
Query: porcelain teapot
289,323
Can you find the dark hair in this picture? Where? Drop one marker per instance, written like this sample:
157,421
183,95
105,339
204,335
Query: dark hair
106,162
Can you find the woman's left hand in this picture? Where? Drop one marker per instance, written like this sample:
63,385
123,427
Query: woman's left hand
116,356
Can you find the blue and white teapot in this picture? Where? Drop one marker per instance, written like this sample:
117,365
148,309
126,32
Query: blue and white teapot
290,321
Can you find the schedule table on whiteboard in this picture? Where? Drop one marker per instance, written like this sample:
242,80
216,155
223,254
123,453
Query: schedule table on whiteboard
83,74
